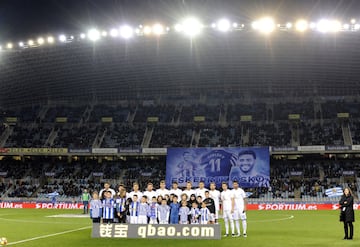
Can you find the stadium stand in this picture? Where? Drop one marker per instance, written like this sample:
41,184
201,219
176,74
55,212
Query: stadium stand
149,95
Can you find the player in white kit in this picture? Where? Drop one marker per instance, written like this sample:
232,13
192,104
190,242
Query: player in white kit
201,190
215,195
227,198
188,190
240,203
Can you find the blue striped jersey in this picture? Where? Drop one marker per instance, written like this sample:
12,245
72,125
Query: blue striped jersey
205,214
120,204
134,208
108,208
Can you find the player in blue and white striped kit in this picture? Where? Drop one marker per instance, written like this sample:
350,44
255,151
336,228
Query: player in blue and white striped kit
204,214
108,208
163,212
121,207
153,211
184,212
134,210
143,211
194,213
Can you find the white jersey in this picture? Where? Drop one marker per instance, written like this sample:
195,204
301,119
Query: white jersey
189,193
226,198
149,195
160,192
132,193
200,192
239,196
177,192
215,195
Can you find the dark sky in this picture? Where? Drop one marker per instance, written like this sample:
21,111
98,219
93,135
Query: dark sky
23,19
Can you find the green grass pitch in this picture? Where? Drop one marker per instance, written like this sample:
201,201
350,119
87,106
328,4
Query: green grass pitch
30,227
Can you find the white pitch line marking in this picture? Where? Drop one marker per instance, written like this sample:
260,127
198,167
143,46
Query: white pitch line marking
41,222
272,220
49,235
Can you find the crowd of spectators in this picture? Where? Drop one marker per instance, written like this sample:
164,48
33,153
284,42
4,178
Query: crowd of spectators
309,177
174,125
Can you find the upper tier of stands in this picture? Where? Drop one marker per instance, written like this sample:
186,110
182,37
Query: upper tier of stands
176,124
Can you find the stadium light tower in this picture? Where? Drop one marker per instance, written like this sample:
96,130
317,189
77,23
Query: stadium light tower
114,32
265,25
9,45
40,41
50,39
93,34
126,32
301,25
326,26
30,42
21,44
62,38
147,30
190,26
158,29
223,25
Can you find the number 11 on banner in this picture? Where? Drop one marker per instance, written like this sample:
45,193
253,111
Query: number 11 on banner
215,165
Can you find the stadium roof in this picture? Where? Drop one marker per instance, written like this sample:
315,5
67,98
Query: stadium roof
237,63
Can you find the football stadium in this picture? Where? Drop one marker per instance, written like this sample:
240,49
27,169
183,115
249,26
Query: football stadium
179,123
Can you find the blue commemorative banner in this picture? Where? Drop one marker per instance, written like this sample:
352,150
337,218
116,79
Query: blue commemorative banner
249,166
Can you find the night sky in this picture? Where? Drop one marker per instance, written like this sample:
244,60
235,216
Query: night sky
23,19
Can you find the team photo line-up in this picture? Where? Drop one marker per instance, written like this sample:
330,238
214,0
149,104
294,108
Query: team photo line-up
174,206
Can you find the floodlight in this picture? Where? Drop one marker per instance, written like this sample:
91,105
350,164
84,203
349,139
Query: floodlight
353,21
104,33
126,32
235,25
264,25
346,26
223,25
30,42
158,29
147,30
40,41
357,26
50,39
301,25
114,32
82,35
191,26
178,27
326,26
312,25
21,44
213,25
137,31
93,34
9,45
62,38
0,47
289,25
